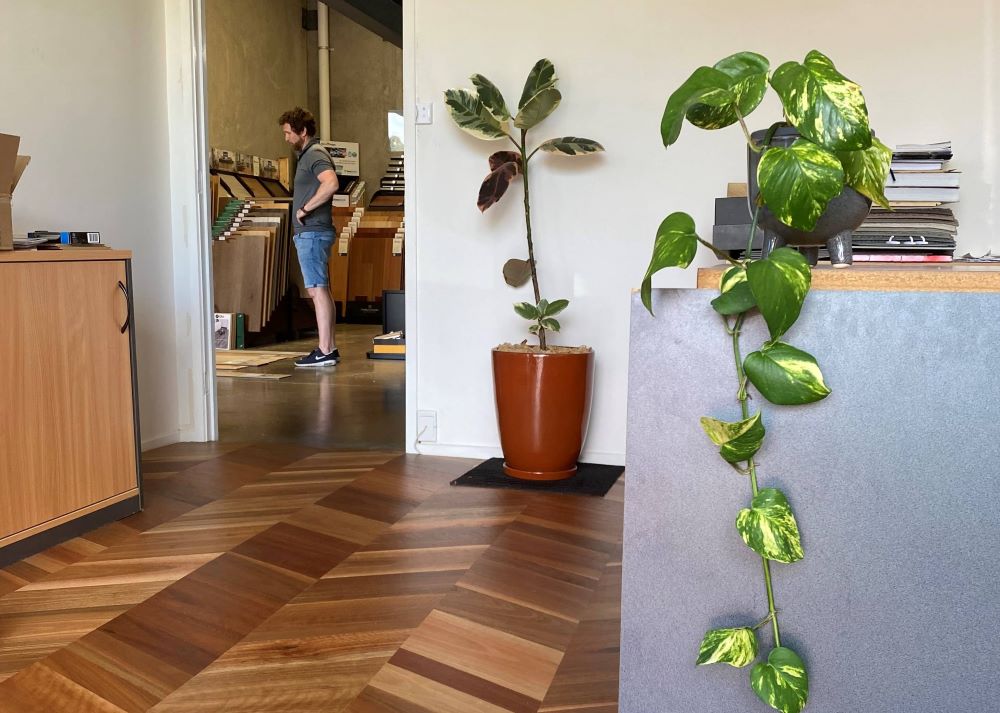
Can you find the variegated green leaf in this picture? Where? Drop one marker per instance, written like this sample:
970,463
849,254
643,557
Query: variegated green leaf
537,108
707,86
768,527
736,647
675,246
736,300
541,76
555,307
782,682
748,76
542,307
865,171
535,328
739,441
571,146
785,375
550,324
779,284
491,97
797,182
472,116
526,310
732,277
824,105
516,272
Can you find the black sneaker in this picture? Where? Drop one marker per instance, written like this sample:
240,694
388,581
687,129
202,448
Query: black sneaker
318,358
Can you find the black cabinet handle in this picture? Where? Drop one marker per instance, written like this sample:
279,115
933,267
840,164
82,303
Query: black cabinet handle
128,307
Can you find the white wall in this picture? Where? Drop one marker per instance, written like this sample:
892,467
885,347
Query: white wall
83,85
927,70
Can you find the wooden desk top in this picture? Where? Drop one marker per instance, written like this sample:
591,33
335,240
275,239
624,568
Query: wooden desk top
64,255
891,277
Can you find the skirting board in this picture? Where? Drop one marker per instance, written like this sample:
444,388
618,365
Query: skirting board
169,439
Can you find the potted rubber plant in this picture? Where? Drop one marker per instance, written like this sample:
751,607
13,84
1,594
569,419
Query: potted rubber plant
827,151
542,392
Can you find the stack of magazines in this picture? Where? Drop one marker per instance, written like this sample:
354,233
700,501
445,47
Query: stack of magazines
920,227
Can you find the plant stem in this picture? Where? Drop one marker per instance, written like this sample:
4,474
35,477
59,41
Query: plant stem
718,253
745,409
531,247
753,228
746,132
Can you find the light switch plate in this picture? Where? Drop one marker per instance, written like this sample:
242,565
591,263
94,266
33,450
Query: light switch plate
425,112
427,428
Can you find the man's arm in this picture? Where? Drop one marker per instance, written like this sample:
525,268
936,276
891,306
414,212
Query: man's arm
328,185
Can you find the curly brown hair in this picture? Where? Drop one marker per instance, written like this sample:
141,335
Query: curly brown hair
299,118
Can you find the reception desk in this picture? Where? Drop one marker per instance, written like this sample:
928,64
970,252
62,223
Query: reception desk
894,480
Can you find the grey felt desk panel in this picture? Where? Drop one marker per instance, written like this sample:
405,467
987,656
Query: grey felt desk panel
893,480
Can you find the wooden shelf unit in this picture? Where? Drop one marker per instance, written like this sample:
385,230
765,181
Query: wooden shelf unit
69,449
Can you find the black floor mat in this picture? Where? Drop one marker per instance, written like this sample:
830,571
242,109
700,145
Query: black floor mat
590,479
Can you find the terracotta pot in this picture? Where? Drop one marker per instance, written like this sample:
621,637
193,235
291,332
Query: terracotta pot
543,405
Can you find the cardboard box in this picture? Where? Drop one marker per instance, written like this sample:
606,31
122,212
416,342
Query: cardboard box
346,157
224,159
225,330
11,167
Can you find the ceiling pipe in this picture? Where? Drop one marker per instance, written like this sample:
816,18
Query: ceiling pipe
323,22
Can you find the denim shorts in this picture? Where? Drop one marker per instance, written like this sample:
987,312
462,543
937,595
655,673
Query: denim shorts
313,249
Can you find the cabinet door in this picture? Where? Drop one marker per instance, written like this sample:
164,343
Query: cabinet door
67,438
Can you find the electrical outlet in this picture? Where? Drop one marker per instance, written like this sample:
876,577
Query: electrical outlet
425,113
427,426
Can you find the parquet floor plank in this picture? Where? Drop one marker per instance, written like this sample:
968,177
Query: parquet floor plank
281,579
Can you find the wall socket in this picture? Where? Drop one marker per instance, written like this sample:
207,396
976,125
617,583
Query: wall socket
427,426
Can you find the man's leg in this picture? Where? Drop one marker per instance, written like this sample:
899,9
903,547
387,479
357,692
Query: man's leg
325,322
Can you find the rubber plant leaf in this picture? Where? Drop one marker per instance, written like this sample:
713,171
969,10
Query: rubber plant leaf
768,527
472,116
797,182
785,375
748,75
782,682
706,85
571,146
738,441
866,170
537,108
779,284
736,647
555,307
516,272
526,310
824,105
501,157
675,246
491,97
496,184
541,76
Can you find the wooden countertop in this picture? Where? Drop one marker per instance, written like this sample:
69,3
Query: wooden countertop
64,255
891,277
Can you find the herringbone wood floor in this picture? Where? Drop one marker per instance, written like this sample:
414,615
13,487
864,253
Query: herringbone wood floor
283,578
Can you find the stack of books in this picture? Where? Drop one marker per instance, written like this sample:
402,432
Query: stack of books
920,227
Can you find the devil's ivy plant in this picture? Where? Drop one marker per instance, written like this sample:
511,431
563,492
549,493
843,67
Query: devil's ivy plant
836,149
483,113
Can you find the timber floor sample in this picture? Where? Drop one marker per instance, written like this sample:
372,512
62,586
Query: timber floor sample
283,578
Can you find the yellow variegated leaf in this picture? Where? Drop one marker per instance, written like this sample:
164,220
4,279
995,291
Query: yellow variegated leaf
768,527
736,647
782,682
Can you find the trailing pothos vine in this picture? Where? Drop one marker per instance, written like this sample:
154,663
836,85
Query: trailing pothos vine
836,149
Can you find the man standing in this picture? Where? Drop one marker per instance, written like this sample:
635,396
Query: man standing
315,184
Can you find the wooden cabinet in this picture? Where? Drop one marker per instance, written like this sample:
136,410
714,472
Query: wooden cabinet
69,455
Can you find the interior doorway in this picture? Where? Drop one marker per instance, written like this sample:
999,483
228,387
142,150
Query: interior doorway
260,62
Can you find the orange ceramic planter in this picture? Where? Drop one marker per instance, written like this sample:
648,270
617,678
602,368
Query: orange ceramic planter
543,405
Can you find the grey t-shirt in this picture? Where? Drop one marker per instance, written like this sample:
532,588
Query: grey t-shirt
313,160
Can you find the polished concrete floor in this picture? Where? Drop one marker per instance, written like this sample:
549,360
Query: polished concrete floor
358,404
